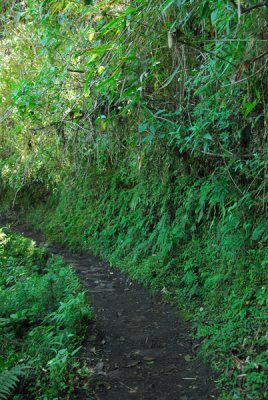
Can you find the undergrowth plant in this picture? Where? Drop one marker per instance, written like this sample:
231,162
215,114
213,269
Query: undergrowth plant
44,316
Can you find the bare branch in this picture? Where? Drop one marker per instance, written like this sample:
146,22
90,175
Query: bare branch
246,10
206,51
260,56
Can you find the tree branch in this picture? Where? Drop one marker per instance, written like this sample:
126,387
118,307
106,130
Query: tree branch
45,126
260,56
223,156
206,51
246,10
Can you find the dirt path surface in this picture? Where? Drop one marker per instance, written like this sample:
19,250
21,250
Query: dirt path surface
139,347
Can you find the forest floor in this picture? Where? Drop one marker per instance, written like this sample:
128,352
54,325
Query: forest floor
138,348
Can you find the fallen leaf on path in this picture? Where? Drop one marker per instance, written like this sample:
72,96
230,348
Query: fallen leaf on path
192,379
134,364
188,357
132,391
99,367
149,358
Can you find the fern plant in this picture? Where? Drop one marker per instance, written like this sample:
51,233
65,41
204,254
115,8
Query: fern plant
9,380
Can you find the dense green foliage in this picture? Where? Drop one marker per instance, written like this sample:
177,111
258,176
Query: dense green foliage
217,271
44,316
142,127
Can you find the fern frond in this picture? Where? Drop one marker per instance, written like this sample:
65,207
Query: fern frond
9,379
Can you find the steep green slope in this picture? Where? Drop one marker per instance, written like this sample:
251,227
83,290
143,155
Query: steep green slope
215,271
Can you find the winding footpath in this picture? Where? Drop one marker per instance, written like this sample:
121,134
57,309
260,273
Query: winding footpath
139,347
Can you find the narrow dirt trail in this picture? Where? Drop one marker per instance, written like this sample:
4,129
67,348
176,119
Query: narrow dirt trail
139,347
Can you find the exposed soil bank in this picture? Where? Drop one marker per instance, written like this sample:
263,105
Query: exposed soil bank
139,347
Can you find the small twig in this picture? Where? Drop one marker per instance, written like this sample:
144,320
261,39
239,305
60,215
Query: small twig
260,56
206,51
40,128
78,71
223,156
239,11
246,10
245,79
232,179
7,114
192,379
